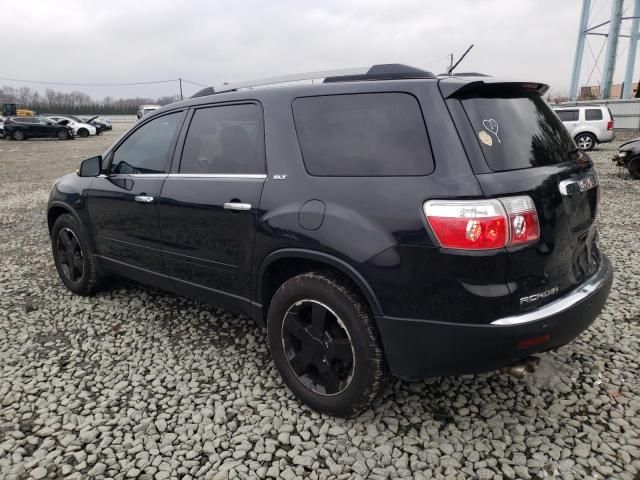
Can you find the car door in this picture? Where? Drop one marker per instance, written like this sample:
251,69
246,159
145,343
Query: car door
209,205
570,119
123,203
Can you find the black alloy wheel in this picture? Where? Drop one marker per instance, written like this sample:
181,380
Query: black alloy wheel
318,348
18,135
70,256
324,342
62,135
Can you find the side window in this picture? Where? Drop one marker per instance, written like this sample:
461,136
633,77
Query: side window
225,139
147,150
568,115
368,134
593,114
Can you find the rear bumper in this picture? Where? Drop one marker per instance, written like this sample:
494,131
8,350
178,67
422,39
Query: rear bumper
420,348
607,137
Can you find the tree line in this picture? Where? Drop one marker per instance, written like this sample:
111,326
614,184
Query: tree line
76,103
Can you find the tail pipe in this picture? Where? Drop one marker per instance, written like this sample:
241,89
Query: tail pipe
522,367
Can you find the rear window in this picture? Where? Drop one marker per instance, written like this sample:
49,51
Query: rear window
518,132
369,134
568,115
593,114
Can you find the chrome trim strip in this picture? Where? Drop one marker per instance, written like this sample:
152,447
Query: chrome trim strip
593,284
252,176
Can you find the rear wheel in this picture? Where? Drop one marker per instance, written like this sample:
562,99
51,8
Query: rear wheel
585,141
634,168
77,267
62,135
83,133
325,345
18,135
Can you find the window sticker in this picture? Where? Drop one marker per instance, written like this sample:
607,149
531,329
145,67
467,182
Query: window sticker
491,125
485,138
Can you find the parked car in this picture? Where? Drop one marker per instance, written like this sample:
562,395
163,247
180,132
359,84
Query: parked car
22,128
386,222
629,156
1,127
99,122
146,109
588,125
80,128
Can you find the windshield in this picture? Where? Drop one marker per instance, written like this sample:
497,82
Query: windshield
518,131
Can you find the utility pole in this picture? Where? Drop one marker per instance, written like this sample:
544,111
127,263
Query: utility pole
577,61
631,55
612,48
450,62
181,97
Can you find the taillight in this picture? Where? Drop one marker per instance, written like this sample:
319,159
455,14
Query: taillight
610,125
483,224
523,219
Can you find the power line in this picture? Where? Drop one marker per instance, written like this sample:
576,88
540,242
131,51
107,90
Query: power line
195,83
89,84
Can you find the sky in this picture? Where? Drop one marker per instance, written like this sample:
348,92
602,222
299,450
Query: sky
212,42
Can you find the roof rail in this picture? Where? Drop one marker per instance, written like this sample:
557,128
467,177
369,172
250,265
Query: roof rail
391,71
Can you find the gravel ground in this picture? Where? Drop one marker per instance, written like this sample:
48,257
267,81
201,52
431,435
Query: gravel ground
136,383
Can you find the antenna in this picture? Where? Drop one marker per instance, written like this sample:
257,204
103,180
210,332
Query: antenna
453,67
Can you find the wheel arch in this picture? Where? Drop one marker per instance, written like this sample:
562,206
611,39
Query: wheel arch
294,261
56,209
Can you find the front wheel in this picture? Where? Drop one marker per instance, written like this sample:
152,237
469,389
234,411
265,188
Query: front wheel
77,267
83,133
62,135
325,344
585,141
18,135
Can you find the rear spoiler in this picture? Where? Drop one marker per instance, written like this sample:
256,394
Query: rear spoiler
456,87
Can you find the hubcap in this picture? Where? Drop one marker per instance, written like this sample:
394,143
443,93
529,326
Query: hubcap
317,347
585,143
70,255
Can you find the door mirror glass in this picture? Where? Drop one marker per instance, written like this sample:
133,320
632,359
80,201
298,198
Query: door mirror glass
91,167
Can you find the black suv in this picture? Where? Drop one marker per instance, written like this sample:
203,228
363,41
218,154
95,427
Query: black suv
22,128
388,222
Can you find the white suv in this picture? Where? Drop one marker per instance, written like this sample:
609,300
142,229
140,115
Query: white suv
587,124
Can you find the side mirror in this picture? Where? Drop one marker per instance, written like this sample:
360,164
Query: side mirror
91,167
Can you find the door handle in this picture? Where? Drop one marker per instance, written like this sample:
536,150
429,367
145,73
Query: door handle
143,198
237,206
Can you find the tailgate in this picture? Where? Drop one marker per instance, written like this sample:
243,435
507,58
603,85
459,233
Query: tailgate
525,150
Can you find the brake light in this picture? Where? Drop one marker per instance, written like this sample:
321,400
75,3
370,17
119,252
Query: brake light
483,224
610,125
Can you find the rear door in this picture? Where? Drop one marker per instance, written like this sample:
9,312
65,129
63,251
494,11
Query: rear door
570,119
209,204
527,151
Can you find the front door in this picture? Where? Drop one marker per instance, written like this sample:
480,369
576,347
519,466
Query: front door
209,207
123,203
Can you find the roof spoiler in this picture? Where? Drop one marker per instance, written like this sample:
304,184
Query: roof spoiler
456,88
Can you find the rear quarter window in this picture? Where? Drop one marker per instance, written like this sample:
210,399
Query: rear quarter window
593,114
518,131
368,134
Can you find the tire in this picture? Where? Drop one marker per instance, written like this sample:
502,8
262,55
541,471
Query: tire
62,135
325,345
585,141
634,168
76,265
19,135
83,133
